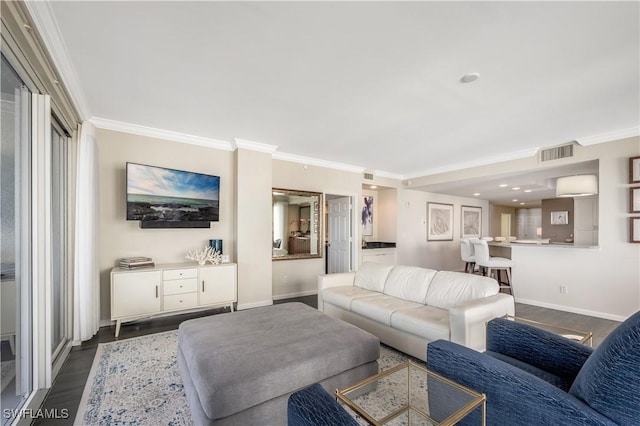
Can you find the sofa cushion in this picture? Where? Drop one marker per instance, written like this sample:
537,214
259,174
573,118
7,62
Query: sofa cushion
427,322
409,283
449,289
372,276
343,296
608,380
380,308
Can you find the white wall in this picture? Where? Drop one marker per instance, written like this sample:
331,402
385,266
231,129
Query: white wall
121,238
413,248
603,282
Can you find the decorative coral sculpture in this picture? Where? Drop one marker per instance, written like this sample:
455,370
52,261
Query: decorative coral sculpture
208,254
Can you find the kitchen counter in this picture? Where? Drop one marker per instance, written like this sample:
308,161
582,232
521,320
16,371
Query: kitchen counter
533,243
378,245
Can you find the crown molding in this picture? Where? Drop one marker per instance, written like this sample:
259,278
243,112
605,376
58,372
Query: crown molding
389,175
49,31
485,161
254,146
609,136
317,162
118,126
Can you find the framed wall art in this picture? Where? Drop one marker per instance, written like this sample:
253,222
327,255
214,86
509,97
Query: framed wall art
634,200
439,222
367,216
634,170
560,218
634,231
471,222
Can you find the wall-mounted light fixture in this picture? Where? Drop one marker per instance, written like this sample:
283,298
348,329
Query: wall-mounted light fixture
577,186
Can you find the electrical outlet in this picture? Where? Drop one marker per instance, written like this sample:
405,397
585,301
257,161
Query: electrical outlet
563,289
285,279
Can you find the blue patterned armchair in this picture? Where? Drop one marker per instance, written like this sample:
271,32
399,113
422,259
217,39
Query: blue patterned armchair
532,376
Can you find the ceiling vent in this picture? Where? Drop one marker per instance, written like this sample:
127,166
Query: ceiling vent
556,153
368,175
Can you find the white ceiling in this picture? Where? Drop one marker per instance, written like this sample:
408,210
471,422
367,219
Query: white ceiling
369,84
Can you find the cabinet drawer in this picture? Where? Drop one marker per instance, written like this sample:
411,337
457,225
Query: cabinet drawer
180,301
177,274
187,285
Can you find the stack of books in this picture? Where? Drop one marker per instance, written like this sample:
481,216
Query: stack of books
136,262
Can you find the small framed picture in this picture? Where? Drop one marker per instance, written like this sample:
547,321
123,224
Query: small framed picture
634,170
560,218
634,201
634,232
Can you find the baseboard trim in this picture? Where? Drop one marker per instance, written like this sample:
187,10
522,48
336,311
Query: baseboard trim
242,306
298,294
603,315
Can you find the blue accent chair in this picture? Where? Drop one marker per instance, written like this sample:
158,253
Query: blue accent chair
313,406
532,376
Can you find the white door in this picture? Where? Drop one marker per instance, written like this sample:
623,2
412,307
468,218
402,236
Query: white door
339,249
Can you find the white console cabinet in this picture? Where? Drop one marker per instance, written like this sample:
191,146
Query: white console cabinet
141,293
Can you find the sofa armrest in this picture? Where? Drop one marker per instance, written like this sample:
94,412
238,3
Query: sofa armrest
342,279
468,320
313,406
335,280
514,397
534,346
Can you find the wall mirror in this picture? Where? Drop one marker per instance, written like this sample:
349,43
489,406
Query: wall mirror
297,224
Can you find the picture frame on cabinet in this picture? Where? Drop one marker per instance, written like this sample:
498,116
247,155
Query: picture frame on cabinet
634,229
470,222
634,170
439,222
634,200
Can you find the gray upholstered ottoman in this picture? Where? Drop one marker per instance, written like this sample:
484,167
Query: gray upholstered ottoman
241,367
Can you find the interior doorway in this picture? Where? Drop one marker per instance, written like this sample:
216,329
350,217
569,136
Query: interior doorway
339,250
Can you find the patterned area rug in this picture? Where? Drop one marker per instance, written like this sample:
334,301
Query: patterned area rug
136,382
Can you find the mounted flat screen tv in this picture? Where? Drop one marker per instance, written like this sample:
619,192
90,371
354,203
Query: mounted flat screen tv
166,198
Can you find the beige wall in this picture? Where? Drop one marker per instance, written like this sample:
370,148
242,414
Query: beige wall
557,233
253,230
121,238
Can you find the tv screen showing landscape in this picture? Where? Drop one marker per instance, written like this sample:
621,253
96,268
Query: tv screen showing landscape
161,194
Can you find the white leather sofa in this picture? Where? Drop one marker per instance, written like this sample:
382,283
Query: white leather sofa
408,306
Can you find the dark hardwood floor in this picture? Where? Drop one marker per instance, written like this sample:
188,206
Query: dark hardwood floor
68,386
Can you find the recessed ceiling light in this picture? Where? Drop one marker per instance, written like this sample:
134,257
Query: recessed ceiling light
374,187
515,188
528,190
522,204
468,78
503,185
514,200
476,194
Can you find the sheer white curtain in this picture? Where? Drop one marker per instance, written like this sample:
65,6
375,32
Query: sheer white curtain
86,286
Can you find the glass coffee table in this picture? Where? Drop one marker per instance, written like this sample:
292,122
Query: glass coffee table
410,394
584,337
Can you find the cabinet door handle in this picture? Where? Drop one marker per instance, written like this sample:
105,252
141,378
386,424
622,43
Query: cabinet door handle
203,286
156,292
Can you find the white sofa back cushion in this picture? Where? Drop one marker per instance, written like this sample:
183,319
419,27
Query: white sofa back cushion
372,276
449,289
409,283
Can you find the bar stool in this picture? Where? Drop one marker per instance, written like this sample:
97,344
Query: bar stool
466,252
498,264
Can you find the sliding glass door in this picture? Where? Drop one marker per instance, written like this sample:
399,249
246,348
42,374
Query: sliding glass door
16,353
59,231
